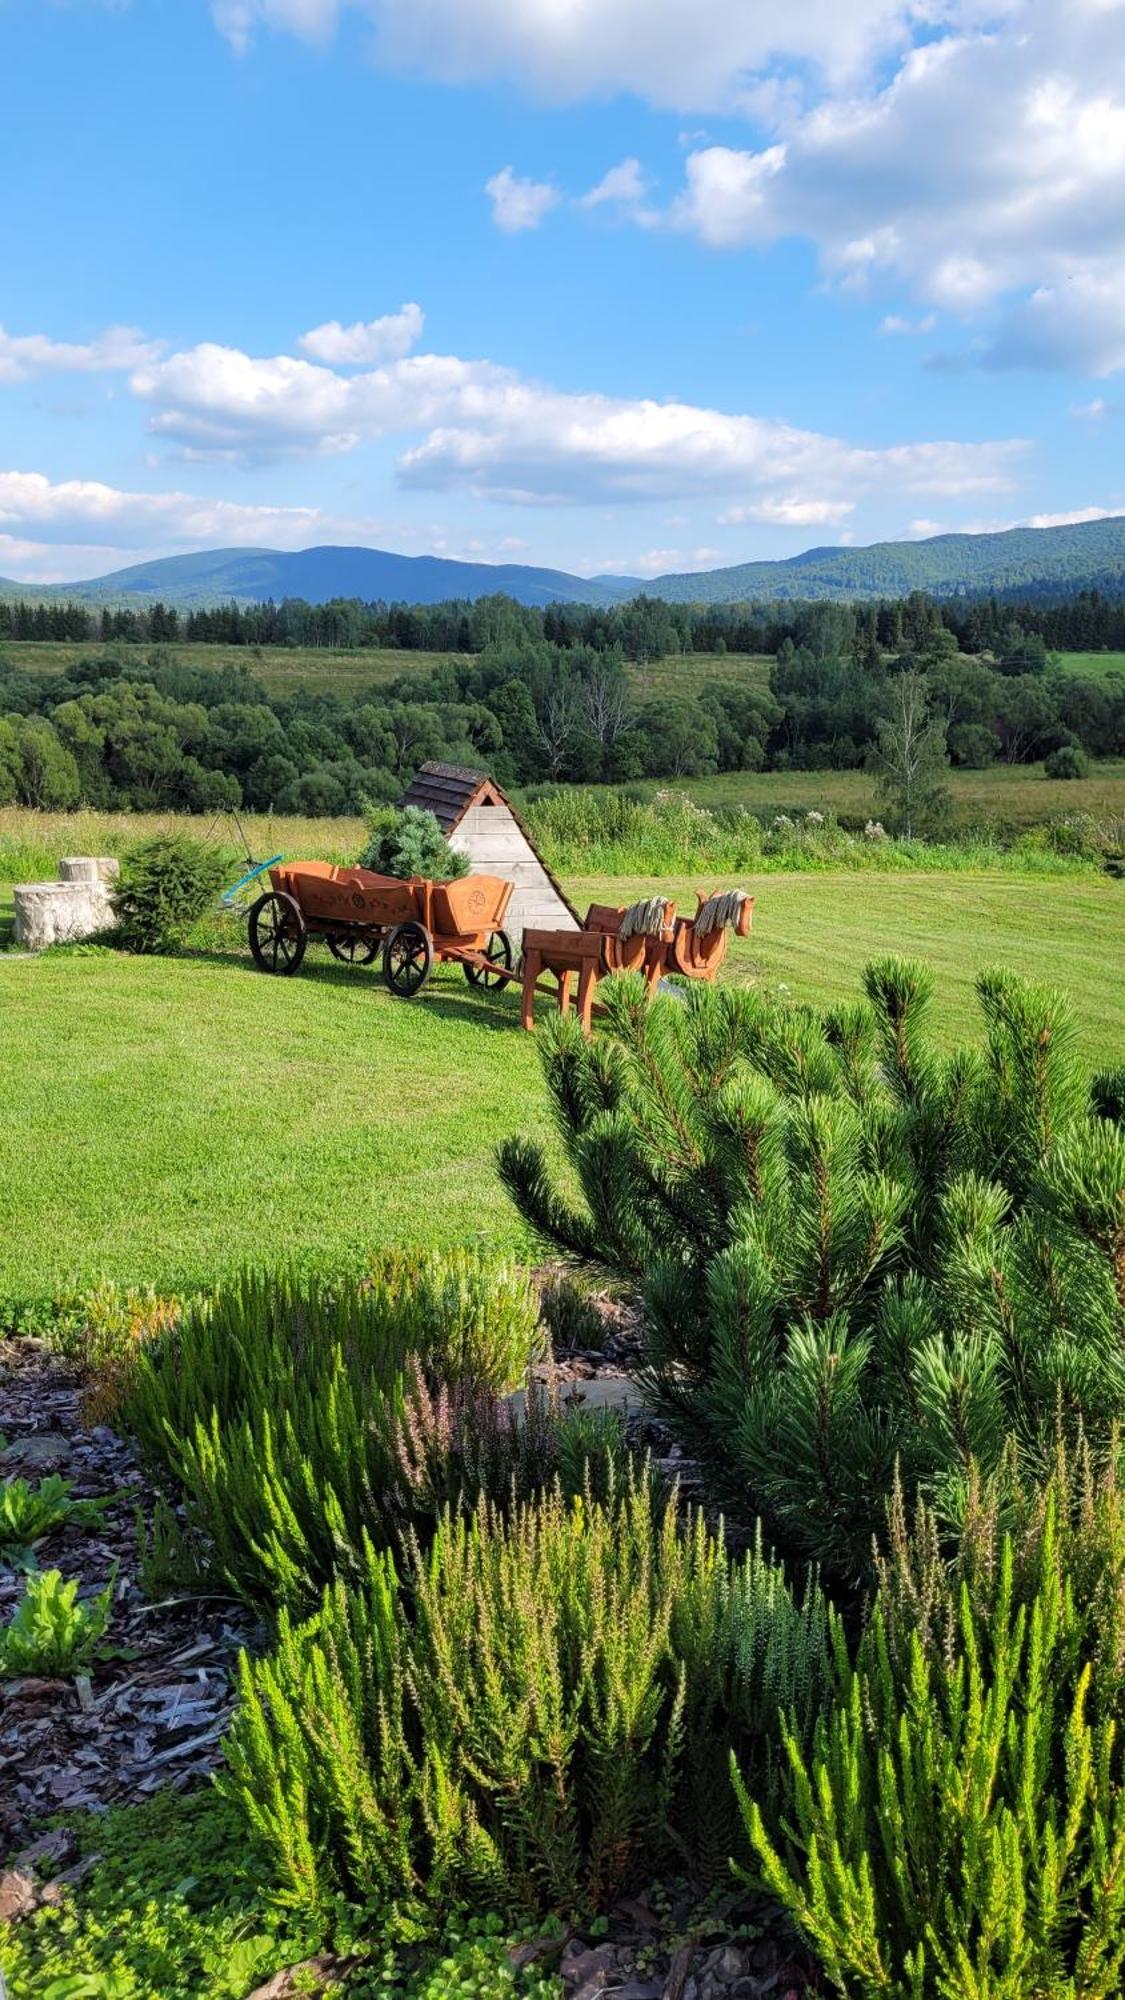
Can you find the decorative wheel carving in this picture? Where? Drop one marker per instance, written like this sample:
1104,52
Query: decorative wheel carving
498,951
277,933
408,956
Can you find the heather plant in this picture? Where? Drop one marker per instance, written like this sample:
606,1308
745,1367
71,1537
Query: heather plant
848,1247
535,1714
277,1407
956,1830
454,1447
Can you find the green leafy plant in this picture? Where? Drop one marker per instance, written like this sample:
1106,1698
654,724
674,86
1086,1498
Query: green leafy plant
50,1631
277,1406
847,1247
537,1713
165,886
28,1514
957,1827
1068,761
408,841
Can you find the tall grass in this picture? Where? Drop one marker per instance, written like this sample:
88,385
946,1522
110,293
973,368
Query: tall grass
621,833
32,843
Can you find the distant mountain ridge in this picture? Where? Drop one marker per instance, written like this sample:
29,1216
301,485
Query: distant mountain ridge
1014,562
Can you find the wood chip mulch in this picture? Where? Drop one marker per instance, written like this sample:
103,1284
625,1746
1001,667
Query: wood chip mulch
153,1713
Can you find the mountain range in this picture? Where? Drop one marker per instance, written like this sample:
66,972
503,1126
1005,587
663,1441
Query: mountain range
1043,563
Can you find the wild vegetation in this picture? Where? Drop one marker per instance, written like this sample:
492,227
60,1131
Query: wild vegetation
560,695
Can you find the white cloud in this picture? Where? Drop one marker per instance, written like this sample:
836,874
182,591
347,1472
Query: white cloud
28,354
990,164
519,204
687,55
488,429
671,562
1076,514
365,342
1093,411
86,510
922,529
898,323
789,513
624,186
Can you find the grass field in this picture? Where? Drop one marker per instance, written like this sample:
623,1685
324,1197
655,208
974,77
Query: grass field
1014,795
283,668
166,1120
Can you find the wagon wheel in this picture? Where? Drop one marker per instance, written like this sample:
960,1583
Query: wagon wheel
277,933
498,952
355,947
407,958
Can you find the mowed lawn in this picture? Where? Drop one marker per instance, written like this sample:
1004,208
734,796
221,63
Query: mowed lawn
166,1120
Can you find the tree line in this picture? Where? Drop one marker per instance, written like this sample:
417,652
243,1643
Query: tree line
145,729
644,629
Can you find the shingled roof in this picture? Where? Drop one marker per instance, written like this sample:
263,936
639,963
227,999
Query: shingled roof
447,790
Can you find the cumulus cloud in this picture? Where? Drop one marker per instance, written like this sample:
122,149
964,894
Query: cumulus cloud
87,511
519,204
488,429
365,342
624,186
685,55
25,355
1076,514
790,512
899,323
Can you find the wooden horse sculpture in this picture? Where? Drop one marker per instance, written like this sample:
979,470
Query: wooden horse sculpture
597,949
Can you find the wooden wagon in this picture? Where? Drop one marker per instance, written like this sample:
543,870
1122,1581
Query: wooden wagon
359,914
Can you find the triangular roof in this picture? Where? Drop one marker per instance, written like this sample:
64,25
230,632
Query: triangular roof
449,790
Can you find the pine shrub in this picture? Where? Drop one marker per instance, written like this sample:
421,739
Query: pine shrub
848,1247
164,888
538,1714
278,1406
407,840
956,1831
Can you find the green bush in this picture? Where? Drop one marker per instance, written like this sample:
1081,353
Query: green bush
847,1246
408,841
165,886
50,1632
278,1406
539,1714
1069,761
957,1827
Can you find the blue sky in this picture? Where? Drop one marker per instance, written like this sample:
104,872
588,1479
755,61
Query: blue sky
604,284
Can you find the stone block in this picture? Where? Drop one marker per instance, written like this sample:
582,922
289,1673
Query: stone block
60,912
89,868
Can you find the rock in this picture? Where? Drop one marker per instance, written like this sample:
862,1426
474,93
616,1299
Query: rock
60,912
730,1965
40,1451
533,1950
89,868
17,1894
51,1850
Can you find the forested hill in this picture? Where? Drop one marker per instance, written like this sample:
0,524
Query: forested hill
1019,564
1022,563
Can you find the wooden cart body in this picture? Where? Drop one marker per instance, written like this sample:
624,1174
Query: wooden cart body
360,914
597,950
460,916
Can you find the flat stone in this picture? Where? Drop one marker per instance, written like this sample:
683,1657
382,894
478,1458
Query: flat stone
41,1451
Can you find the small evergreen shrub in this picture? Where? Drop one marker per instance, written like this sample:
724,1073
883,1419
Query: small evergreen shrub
571,1315
957,1826
277,1407
538,1714
847,1247
165,886
50,1632
408,841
